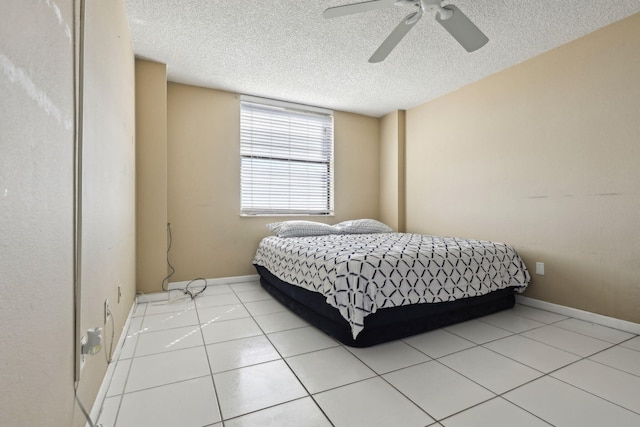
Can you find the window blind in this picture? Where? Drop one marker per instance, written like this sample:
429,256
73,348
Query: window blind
287,160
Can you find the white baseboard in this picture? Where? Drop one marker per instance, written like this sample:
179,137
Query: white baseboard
106,381
220,281
587,316
166,296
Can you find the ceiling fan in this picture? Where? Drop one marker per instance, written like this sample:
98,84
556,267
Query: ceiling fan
449,16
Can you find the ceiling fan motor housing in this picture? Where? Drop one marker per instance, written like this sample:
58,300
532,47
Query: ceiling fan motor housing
435,5
431,5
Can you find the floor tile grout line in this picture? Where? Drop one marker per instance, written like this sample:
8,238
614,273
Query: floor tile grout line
509,330
285,361
393,370
411,400
309,394
183,380
281,358
270,407
591,336
507,391
529,366
486,342
249,336
497,395
376,374
315,402
569,351
544,374
549,374
117,411
502,394
511,333
610,366
381,377
211,374
126,380
528,307
596,395
124,386
159,353
201,326
434,358
208,360
431,359
627,340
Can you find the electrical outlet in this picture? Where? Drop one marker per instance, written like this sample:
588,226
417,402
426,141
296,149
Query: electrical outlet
83,342
107,310
540,268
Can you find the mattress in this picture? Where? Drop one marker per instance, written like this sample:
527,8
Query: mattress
359,274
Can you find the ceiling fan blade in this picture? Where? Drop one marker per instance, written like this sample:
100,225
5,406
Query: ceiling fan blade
349,9
395,37
462,29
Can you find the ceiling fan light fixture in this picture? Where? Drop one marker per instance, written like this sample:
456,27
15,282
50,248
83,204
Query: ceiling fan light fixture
431,5
445,13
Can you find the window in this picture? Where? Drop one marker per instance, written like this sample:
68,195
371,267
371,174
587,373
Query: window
287,158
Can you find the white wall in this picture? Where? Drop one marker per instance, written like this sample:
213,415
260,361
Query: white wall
36,213
37,153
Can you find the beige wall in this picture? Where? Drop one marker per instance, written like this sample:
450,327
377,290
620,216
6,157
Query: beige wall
392,170
151,174
210,238
108,182
543,156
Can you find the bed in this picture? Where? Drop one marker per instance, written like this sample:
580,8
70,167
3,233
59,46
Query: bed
364,284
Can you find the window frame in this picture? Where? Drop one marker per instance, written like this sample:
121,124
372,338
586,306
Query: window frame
325,146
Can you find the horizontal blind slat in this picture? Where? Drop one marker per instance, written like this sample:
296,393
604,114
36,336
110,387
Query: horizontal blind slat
287,158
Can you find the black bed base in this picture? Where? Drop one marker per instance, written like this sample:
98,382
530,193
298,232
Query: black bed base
386,324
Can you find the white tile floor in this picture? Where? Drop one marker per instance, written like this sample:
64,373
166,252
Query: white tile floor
235,357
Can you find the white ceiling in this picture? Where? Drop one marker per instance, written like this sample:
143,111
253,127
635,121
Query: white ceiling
285,49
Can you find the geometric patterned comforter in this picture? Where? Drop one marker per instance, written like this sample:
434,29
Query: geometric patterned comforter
361,273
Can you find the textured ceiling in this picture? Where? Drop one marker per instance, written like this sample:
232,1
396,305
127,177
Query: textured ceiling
285,49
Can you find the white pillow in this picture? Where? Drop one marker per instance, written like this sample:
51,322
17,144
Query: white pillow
362,226
300,229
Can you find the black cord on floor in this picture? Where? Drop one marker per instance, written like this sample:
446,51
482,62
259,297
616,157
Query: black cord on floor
192,294
165,281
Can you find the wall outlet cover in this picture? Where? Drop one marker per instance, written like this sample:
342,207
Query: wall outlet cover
107,310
